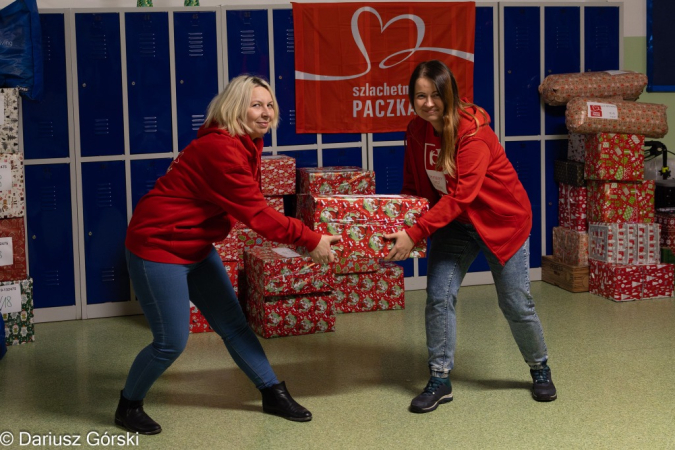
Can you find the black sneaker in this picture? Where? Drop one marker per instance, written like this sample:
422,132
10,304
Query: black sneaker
543,389
436,393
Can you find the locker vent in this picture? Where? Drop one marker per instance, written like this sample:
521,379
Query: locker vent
522,111
147,45
247,42
291,116
196,44
46,47
108,275
602,36
393,178
149,184
48,198
98,46
562,38
290,41
101,126
197,121
51,277
150,124
522,38
46,129
104,195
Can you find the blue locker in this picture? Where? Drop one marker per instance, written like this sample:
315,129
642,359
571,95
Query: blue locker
561,55
339,138
388,167
105,223
303,158
99,74
45,123
386,137
526,159
554,150
144,173
601,45
50,235
149,82
342,157
408,267
284,84
484,64
196,52
521,71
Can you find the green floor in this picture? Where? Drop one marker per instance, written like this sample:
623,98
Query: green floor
612,364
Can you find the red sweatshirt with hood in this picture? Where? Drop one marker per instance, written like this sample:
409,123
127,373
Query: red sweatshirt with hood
212,183
485,190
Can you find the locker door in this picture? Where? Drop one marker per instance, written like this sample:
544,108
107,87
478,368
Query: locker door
521,71
196,51
144,174
484,62
342,157
388,167
601,45
392,136
248,50
284,79
562,55
45,123
526,159
304,158
554,150
105,223
148,82
99,75
50,235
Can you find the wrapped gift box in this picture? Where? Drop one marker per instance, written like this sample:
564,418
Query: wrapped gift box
570,246
16,306
282,271
12,249
560,88
572,207
576,147
198,323
645,198
616,282
9,120
374,291
665,217
291,315
614,156
240,239
336,180
12,196
624,243
276,202
621,202
277,175
363,220
569,172
355,265
659,280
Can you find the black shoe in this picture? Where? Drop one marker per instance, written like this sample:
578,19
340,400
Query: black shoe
278,401
543,389
130,415
436,393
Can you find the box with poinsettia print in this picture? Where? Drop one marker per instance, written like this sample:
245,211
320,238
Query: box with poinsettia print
572,207
570,246
275,271
626,282
16,307
621,202
12,249
373,291
336,180
290,315
277,175
198,323
614,156
362,221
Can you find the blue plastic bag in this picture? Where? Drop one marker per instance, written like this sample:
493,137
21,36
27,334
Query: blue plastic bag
21,48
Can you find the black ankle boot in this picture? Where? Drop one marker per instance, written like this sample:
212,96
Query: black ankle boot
278,401
131,416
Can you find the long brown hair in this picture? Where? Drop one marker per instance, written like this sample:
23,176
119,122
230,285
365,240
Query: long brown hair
446,85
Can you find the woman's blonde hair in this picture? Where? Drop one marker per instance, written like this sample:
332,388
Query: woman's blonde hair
228,109
446,85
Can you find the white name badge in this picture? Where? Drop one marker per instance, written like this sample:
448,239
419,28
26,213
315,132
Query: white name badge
6,251
438,180
286,252
602,111
10,298
5,177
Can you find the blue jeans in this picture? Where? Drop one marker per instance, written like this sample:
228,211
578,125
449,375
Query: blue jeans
453,248
164,292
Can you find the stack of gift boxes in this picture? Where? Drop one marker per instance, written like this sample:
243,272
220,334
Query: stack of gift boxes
606,208
16,289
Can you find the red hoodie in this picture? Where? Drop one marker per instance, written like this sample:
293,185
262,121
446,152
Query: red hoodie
485,191
214,181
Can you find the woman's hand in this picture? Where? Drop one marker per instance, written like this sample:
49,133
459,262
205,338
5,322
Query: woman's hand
402,247
323,254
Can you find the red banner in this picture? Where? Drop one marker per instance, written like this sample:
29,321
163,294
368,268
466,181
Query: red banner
353,60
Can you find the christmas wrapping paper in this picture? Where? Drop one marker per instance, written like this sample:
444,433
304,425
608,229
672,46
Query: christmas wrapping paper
12,196
240,238
572,207
570,246
569,172
576,147
374,291
355,265
17,311
9,120
198,323
363,220
665,217
336,180
614,156
13,250
277,175
621,202
659,280
593,115
291,315
282,271
624,243
276,202
558,89
631,282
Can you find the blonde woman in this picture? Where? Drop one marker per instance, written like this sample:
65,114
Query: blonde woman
213,182
454,159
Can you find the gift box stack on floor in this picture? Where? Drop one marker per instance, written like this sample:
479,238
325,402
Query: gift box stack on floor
16,289
607,131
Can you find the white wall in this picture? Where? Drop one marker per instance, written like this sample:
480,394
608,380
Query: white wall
635,21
